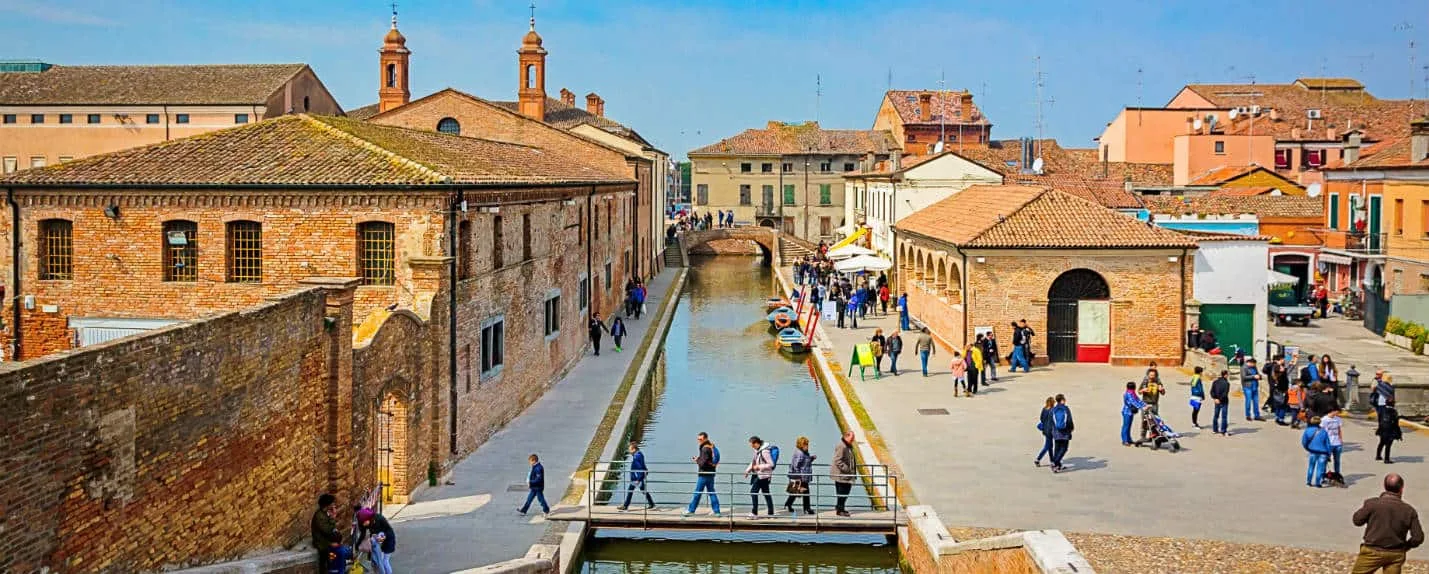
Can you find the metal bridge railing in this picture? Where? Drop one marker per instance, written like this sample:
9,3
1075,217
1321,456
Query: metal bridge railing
874,489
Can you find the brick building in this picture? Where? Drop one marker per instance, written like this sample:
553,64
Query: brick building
51,114
1095,285
919,119
538,120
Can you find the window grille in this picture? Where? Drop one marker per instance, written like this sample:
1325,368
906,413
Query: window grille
245,252
376,253
180,251
56,250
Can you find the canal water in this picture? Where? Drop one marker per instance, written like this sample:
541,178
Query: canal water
720,373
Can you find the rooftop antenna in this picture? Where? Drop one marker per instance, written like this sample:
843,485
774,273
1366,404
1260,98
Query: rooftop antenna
890,78
818,94
1138,95
394,15
1408,29
1038,77
942,109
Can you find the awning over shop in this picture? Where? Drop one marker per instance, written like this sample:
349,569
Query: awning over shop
848,251
1334,259
862,263
1276,278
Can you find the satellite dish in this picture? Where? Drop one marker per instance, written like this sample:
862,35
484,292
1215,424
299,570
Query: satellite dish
1037,165
1313,190
1196,124
938,147
1234,112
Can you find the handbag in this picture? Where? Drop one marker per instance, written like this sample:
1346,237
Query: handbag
796,486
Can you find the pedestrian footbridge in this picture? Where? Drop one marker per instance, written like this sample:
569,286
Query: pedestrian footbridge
872,505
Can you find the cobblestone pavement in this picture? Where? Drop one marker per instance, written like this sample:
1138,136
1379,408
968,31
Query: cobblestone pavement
974,464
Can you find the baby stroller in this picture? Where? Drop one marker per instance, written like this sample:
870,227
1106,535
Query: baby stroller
1158,433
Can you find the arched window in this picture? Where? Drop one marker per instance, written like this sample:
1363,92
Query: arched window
376,253
180,250
245,252
530,76
56,250
449,126
305,103
391,75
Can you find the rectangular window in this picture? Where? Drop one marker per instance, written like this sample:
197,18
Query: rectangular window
66,118
848,166
1220,148
826,195
180,251
826,167
93,118
746,167
56,250
1399,217
1282,159
525,236
463,249
1314,157
768,197
37,118
493,346
498,244
1334,211
787,167
151,118
607,277
245,252
1424,218
466,361
826,225
609,219
553,315
181,119
240,118
65,158
912,138
376,253
584,295
789,194
766,168
744,198
37,161
9,118
11,164
702,194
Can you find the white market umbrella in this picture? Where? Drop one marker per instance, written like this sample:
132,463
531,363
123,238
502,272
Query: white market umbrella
848,251
862,263
1275,278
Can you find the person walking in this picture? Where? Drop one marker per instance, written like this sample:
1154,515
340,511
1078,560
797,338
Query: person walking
1250,385
706,463
841,305
1316,442
639,299
639,472
1131,404
1382,396
1333,426
990,357
959,369
1044,426
1388,431
596,326
876,344
1278,377
801,474
903,312
895,348
973,354
617,331
535,486
1198,396
1152,390
925,348
324,529
1221,394
1391,529
843,473
883,295
379,536
1062,428
759,472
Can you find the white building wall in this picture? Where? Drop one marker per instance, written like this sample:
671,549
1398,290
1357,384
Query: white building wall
1234,272
888,202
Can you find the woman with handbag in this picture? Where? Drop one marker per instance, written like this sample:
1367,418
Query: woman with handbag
801,471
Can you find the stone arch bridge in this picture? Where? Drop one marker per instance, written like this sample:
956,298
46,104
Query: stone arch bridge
775,246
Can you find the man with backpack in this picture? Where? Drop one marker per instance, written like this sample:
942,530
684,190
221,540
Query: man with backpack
1316,442
1062,427
707,462
759,472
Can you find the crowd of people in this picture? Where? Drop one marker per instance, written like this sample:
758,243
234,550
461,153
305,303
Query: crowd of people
843,472
371,536
695,221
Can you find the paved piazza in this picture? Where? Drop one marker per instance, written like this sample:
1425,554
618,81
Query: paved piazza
974,465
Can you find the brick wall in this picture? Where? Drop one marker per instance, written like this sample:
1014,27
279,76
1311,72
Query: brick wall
193,443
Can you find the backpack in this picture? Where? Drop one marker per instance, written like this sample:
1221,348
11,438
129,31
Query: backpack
773,455
714,454
1062,419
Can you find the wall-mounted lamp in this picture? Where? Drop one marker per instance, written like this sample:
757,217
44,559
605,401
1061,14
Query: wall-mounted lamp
462,207
111,211
568,202
982,260
1173,259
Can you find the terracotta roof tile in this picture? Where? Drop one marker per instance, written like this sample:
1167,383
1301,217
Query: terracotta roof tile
247,84
1245,191
783,138
942,111
305,150
1388,154
566,117
1016,216
1223,174
363,113
1291,206
1341,102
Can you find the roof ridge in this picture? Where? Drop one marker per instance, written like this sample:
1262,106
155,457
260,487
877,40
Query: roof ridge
394,157
242,65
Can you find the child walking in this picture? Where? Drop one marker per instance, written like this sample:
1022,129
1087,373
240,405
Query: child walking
536,483
1198,396
960,371
617,332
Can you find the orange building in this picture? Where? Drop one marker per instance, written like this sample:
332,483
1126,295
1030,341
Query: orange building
919,119
51,114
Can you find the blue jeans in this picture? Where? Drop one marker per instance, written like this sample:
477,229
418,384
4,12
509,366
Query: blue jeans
1059,450
923,356
705,482
989,371
1046,446
903,321
1315,468
1335,452
1126,427
1219,417
381,561
535,494
1280,412
1019,357
893,363
1252,401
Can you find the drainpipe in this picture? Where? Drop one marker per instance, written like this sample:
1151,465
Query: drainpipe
1182,281
963,292
14,273
589,225
166,122
451,311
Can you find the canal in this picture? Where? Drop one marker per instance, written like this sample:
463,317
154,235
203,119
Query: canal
720,373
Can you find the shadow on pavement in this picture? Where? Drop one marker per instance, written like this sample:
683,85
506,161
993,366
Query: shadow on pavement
1079,463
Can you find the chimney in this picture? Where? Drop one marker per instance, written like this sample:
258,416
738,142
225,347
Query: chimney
1419,140
568,97
895,160
594,105
966,107
869,161
1352,147
925,102
1274,115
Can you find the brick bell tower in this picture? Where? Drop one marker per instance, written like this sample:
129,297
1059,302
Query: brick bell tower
394,58
532,59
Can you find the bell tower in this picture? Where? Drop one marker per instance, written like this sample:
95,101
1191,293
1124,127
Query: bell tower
532,60
394,58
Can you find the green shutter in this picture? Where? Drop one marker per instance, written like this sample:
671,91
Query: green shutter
825,196
1334,211
789,195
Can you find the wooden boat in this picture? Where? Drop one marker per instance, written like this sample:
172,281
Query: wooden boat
774,303
781,318
791,340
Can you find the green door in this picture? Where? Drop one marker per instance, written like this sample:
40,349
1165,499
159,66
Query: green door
1375,204
1232,324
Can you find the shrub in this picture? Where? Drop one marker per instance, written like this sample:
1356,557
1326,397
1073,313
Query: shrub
1414,330
1394,326
1417,345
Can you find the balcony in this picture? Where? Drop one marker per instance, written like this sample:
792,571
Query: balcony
766,210
1357,242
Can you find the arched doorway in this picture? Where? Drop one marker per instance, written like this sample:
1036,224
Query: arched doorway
1079,317
392,448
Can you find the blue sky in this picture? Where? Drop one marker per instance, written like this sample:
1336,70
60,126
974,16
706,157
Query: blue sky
689,73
